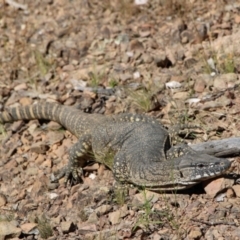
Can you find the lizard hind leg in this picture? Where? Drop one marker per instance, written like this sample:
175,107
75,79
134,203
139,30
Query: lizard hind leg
176,130
78,155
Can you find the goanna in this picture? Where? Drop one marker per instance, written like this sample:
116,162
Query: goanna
139,144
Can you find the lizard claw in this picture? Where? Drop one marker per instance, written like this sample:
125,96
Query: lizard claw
72,175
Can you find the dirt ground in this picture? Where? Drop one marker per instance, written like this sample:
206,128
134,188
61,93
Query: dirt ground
178,61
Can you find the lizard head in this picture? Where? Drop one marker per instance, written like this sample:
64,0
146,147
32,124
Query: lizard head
187,168
199,166
193,167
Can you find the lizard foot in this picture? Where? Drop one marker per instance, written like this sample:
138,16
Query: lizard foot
72,175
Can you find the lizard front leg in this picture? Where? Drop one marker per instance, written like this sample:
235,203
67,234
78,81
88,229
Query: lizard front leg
78,155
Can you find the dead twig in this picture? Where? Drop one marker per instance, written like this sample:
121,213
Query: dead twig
214,223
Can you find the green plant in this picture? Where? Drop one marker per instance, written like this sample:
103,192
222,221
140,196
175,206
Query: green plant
42,63
228,64
219,61
39,70
148,216
44,227
120,193
2,130
94,80
112,83
141,99
97,75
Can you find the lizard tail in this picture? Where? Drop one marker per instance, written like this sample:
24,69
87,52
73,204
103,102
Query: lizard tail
71,118
48,111
66,116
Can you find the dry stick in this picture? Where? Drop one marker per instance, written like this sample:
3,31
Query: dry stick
214,223
219,148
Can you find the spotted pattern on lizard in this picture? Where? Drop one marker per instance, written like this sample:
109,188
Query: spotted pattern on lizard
140,145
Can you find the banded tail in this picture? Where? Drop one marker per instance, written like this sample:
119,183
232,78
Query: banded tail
71,118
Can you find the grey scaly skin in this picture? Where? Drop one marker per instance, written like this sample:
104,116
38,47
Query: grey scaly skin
140,146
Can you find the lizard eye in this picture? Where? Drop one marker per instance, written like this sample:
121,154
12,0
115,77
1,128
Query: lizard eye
200,165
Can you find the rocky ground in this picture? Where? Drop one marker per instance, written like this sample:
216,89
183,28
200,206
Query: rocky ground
176,60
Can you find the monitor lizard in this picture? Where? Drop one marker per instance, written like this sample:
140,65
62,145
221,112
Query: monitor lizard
140,146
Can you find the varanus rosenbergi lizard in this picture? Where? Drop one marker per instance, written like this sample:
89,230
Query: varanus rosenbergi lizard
139,144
